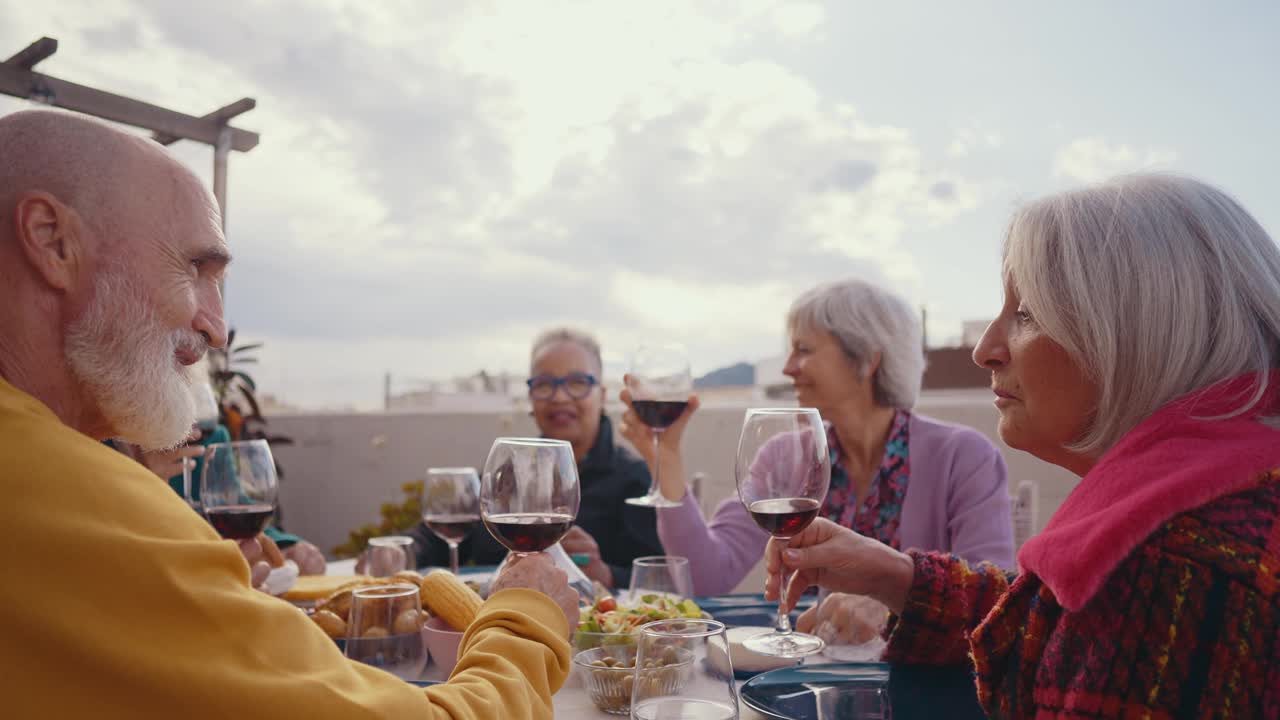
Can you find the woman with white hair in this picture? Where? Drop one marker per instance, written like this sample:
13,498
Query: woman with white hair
905,479
1138,348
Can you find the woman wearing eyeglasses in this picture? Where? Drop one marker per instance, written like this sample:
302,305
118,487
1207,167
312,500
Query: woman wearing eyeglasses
568,396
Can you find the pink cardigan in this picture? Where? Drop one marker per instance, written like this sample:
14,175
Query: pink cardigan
957,501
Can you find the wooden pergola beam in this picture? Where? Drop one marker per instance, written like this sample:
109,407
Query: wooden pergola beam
221,116
32,54
32,85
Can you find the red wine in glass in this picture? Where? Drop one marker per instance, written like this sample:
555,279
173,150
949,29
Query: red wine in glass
784,517
452,526
239,522
528,532
659,414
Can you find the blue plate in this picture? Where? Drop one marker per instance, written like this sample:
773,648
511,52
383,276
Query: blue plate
810,692
714,603
423,683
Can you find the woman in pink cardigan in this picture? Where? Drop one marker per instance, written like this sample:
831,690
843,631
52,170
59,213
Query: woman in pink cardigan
905,479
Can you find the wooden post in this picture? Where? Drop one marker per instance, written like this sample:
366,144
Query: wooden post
221,149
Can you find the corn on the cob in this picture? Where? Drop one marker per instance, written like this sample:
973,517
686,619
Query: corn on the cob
447,596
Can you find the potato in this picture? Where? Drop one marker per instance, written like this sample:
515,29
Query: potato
411,577
407,623
376,631
331,624
338,603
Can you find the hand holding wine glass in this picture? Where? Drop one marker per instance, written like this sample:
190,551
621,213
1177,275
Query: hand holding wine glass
783,470
658,390
451,506
529,493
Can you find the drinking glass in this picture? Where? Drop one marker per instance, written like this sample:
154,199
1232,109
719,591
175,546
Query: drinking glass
386,629
206,406
387,555
665,575
238,487
674,679
660,383
529,493
783,471
451,506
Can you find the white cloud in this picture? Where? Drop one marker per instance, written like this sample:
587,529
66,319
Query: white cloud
1092,159
969,139
435,184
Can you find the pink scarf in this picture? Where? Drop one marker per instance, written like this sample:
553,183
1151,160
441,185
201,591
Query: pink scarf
1169,464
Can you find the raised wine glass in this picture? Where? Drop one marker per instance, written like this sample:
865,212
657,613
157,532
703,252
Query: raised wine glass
783,471
451,506
529,493
238,487
660,383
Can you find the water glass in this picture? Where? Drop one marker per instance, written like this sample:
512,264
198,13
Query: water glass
385,630
388,555
665,575
673,679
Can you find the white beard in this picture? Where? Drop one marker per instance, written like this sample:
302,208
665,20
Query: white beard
124,357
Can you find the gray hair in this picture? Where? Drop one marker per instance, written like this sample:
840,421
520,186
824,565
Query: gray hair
581,338
1156,285
865,320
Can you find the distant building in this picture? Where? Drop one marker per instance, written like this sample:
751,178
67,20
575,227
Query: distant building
972,331
949,368
480,392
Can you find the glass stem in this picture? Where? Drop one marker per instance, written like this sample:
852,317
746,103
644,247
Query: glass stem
782,625
186,481
656,489
453,557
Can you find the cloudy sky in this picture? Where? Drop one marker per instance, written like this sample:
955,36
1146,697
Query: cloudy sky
438,180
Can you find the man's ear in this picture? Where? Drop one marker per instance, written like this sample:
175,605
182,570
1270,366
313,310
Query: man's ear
49,234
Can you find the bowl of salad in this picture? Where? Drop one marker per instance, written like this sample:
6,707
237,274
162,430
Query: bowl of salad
607,623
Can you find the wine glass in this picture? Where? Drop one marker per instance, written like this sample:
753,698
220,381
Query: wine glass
783,470
669,681
666,575
529,493
206,406
386,629
660,383
238,487
451,506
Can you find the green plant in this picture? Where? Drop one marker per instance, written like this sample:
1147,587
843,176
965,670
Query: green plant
394,519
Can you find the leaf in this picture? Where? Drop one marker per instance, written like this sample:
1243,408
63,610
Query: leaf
246,348
246,361
245,377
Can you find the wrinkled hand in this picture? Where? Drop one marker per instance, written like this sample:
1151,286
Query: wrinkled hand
308,557
579,541
843,619
253,553
838,559
538,572
168,463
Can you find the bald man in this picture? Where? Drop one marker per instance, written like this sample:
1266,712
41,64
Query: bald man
117,600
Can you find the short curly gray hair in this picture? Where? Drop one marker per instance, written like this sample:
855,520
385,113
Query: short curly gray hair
581,338
865,320
1156,285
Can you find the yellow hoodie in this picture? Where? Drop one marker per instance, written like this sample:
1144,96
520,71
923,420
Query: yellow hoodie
117,601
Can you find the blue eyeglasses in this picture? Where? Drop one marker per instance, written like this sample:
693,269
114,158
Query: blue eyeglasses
577,385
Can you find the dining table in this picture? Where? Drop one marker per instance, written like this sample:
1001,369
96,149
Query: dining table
915,691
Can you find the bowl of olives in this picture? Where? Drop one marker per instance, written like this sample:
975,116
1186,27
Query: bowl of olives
610,674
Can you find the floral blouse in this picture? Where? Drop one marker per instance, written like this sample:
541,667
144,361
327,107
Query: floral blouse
881,511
